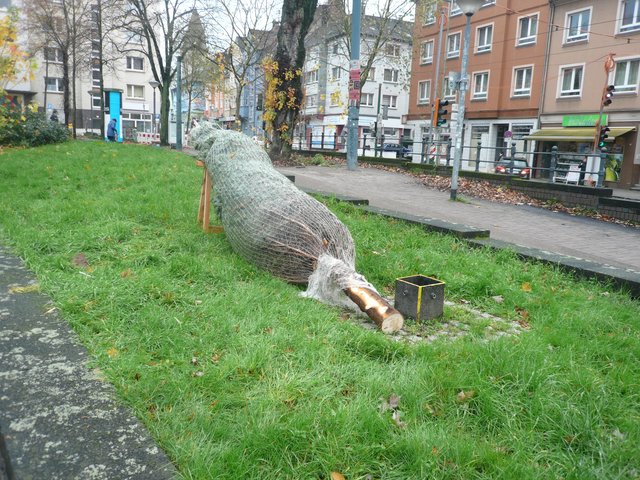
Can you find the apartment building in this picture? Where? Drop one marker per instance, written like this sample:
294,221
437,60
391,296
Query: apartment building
506,69
585,33
129,73
326,80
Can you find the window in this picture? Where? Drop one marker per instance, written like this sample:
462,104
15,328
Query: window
390,100
449,93
577,26
366,100
527,30
135,63
453,45
335,49
311,77
54,84
424,89
95,101
484,36
391,75
571,81
335,98
53,54
522,81
392,50
95,77
134,37
480,86
630,20
455,9
625,76
426,52
335,73
389,132
311,101
135,91
372,73
429,14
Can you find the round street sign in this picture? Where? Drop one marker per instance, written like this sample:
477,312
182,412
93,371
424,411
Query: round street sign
508,134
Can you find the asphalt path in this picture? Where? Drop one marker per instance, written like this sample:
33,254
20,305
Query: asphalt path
576,236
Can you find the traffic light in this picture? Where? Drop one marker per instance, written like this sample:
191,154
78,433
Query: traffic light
607,95
439,113
602,136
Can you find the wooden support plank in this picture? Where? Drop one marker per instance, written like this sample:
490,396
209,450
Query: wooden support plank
204,208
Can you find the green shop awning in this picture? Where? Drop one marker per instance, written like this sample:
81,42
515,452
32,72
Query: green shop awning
574,134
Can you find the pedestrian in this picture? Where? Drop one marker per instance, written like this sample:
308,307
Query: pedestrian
54,116
112,132
583,169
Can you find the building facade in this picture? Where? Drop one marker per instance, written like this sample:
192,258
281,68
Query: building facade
385,89
506,68
586,32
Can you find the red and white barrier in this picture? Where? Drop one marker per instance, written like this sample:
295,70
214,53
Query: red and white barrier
149,138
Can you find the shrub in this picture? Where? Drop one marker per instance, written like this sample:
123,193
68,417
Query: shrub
28,127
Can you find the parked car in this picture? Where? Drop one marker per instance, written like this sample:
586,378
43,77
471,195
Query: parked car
513,166
400,150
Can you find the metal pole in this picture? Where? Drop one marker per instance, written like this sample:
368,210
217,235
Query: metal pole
155,126
378,124
601,167
434,90
354,110
179,105
463,92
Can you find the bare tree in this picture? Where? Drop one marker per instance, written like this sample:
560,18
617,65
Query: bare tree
157,29
387,21
198,70
284,95
244,30
62,26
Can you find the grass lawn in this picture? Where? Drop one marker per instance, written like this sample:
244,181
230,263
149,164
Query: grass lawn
237,377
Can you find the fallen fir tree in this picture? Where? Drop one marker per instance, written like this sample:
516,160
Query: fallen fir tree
279,228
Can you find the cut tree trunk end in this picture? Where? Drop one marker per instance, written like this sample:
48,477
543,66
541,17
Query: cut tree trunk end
377,308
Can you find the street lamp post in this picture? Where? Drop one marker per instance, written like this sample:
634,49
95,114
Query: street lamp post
468,7
154,84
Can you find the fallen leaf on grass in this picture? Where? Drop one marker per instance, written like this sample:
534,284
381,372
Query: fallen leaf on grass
112,352
215,358
79,260
391,404
396,418
197,374
126,273
25,289
337,476
463,396
526,287
524,314
498,299
194,361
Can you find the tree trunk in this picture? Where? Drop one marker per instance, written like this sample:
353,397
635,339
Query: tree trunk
164,112
297,16
66,94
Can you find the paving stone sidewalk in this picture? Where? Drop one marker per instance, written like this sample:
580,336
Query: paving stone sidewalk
58,420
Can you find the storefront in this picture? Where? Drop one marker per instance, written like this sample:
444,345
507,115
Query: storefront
575,142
